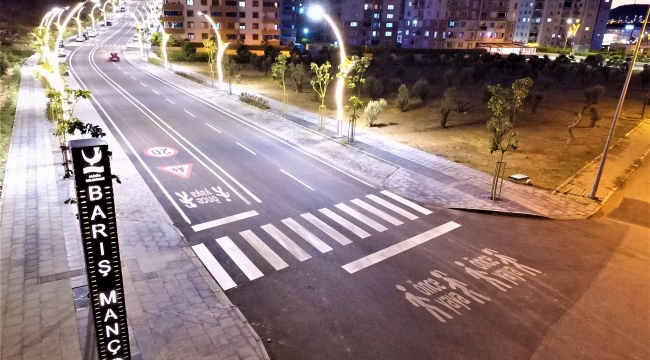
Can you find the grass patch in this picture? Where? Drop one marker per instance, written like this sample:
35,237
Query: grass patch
155,61
189,77
257,101
8,114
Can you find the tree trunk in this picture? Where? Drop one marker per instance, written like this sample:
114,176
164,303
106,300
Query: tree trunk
571,138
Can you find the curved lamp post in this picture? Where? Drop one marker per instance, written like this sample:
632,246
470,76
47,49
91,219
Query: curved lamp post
78,20
59,37
317,13
221,47
137,24
104,10
92,13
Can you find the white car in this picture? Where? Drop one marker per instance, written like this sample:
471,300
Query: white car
61,52
80,39
92,34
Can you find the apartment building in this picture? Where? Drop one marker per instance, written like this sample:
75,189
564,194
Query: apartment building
456,24
369,22
246,21
548,22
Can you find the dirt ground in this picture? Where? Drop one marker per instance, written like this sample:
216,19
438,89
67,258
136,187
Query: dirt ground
543,154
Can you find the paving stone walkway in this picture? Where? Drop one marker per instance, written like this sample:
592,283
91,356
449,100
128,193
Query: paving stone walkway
434,180
175,309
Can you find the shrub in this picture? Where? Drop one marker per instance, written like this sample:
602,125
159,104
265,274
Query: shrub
407,59
449,77
594,115
187,49
4,64
465,74
536,98
593,94
373,109
421,89
257,101
373,87
188,77
402,100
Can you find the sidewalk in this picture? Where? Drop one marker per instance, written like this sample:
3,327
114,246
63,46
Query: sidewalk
175,309
432,179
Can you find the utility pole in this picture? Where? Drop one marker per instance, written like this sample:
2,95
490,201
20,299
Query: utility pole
618,111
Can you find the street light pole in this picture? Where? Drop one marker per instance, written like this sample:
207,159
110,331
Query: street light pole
221,48
78,20
92,14
618,111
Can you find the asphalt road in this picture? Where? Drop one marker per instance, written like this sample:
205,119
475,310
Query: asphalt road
265,218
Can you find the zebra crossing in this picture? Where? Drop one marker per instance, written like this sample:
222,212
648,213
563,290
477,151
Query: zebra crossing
292,235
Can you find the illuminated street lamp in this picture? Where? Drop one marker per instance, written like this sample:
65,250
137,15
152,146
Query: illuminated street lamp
61,30
221,48
104,10
137,30
78,20
317,13
92,13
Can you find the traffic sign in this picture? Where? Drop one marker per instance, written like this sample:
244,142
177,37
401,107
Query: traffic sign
182,170
160,151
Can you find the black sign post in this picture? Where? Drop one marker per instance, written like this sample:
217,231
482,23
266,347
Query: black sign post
96,205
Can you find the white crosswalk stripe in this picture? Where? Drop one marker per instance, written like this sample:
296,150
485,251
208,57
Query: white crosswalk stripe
241,260
264,250
307,235
364,219
408,203
340,238
373,210
346,224
390,206
213,266
286,243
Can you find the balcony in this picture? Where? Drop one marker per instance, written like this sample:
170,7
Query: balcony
173,5
271,9
223,9
174,30
269,20
173,19
270,32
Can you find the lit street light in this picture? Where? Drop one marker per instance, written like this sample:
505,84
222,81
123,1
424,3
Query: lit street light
317,13
104,10
61,30
78,20
92,13
221,47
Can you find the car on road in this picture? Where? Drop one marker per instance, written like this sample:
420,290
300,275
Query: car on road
122,9
61,52
80,39
92,34
61,44
113,57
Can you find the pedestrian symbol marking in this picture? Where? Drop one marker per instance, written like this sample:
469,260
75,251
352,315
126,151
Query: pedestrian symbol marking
182,170
160,151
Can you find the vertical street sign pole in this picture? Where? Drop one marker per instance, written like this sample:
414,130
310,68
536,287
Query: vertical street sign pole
95,201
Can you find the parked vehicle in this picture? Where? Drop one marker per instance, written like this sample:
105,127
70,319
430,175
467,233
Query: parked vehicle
61,44
80,38
92,34
61,52
113,57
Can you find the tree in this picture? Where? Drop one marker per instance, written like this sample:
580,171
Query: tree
448,104
322,75
156,38
188,50
536,98
594,115
298,74
373,87
211,47
421,89
593,95
402,100
232,70
355,79
505,104
279,72
266,64
371,113
243,54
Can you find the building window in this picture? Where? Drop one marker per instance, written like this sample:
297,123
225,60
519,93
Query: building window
587,28
231,36
435,35
231,3
366,6
391,7
387,42
256,15
190,25
256,36
242,26
389,25
353,24
256,4
242,14
190,36
204,25
256,26
242,37
204,2
231,26
231,14
190,2
406,32
388,33
190,13
242,4
204,36
389,16
426,33
376,16
216,14
215,2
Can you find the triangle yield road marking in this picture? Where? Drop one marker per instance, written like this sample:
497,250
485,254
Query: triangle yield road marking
182,170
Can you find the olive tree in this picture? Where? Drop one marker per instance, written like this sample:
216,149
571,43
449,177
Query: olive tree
321,78
279,72
211,48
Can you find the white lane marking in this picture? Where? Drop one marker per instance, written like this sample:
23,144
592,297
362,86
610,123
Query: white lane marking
118,68
213,266
125,72
340,238
346,224
398,248
132,78
137,155
155,92
225,220
171,101
359,216
143,84
408,203
373,210
286,243
293,177
242,261
249,150
192,115
214,128
264,250
307,235
390,206
239,118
